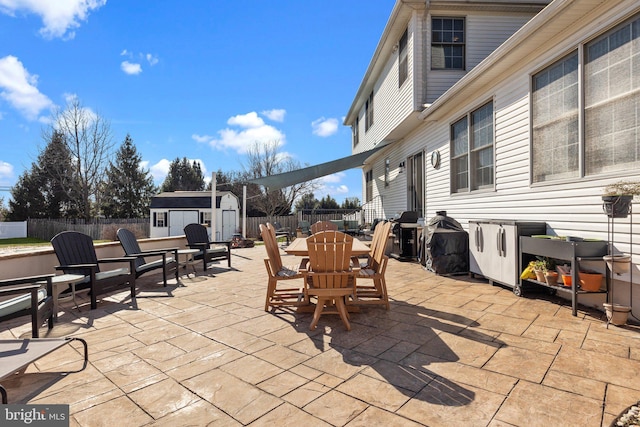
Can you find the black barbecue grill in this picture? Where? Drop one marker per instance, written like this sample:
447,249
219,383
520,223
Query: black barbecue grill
405,231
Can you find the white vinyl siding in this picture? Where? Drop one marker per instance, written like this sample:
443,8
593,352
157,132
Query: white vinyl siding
484,33
394,104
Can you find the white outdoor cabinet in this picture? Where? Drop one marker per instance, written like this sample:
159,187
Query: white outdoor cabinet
494,250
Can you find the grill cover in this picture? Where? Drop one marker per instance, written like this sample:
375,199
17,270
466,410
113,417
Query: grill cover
445,246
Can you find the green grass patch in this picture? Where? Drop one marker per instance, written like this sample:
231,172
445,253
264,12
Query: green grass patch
18,241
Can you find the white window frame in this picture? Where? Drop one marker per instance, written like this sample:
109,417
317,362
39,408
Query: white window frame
473,151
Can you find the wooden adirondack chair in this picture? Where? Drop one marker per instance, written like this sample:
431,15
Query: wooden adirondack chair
277,297
374,268
329,276
323,226
77,255
132,248
198,238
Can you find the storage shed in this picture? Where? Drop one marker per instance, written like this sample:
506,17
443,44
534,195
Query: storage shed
172,211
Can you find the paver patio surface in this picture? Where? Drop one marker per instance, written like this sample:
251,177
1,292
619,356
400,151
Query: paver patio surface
450,351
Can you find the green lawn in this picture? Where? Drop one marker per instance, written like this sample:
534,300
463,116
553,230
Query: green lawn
24,241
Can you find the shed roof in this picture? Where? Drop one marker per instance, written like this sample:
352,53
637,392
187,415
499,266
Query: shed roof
186,199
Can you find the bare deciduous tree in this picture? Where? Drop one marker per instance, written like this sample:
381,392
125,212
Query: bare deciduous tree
265,159
87,135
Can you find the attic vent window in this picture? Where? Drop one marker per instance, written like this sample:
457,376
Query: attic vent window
447,43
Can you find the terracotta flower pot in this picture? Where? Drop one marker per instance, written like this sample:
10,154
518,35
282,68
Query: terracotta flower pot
590,281
552,278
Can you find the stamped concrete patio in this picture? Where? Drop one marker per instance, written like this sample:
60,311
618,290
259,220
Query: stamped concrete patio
452,351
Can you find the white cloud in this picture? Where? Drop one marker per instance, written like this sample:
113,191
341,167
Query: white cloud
324,127
252,130
201,138
160,170
87,112
277,115
60,17
330,185
132,65
151,59
6,171
333,178
249,120
130,68
18,88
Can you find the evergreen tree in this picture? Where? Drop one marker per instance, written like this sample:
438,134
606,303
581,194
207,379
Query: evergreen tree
55,173
308,201
351,203
26,200
128,188
43,191
183,176
329,202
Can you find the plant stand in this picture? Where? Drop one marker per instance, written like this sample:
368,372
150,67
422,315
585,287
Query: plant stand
618,314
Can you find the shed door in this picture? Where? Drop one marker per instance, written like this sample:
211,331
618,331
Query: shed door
179,219
228,224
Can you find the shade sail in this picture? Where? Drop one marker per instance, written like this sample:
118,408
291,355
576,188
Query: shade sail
274,182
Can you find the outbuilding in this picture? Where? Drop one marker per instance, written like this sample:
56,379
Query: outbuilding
172,211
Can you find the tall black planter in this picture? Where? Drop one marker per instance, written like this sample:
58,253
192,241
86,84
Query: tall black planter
616,206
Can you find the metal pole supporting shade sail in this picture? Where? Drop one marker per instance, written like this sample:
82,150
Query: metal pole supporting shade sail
286,179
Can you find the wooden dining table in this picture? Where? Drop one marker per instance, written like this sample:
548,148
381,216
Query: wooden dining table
299,248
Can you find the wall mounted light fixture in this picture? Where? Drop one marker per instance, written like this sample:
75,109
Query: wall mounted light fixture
401,167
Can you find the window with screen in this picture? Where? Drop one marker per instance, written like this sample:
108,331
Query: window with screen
472,159
368,178
403,61
447,43
160,219
609,140
368,112
554,106
355,132
612,100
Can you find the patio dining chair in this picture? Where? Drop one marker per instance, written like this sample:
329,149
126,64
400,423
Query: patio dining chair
198,238
316,227
165,262
77,255
282,232
34,298
283,296
374,268
329,275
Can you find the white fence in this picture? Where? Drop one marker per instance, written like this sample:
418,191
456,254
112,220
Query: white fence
11,230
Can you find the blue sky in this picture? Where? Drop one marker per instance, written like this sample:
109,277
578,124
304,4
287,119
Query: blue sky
201,79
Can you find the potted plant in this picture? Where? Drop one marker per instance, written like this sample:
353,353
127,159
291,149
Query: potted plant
540,268
617,197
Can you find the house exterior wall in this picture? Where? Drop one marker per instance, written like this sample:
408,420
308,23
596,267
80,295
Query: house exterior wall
569,207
